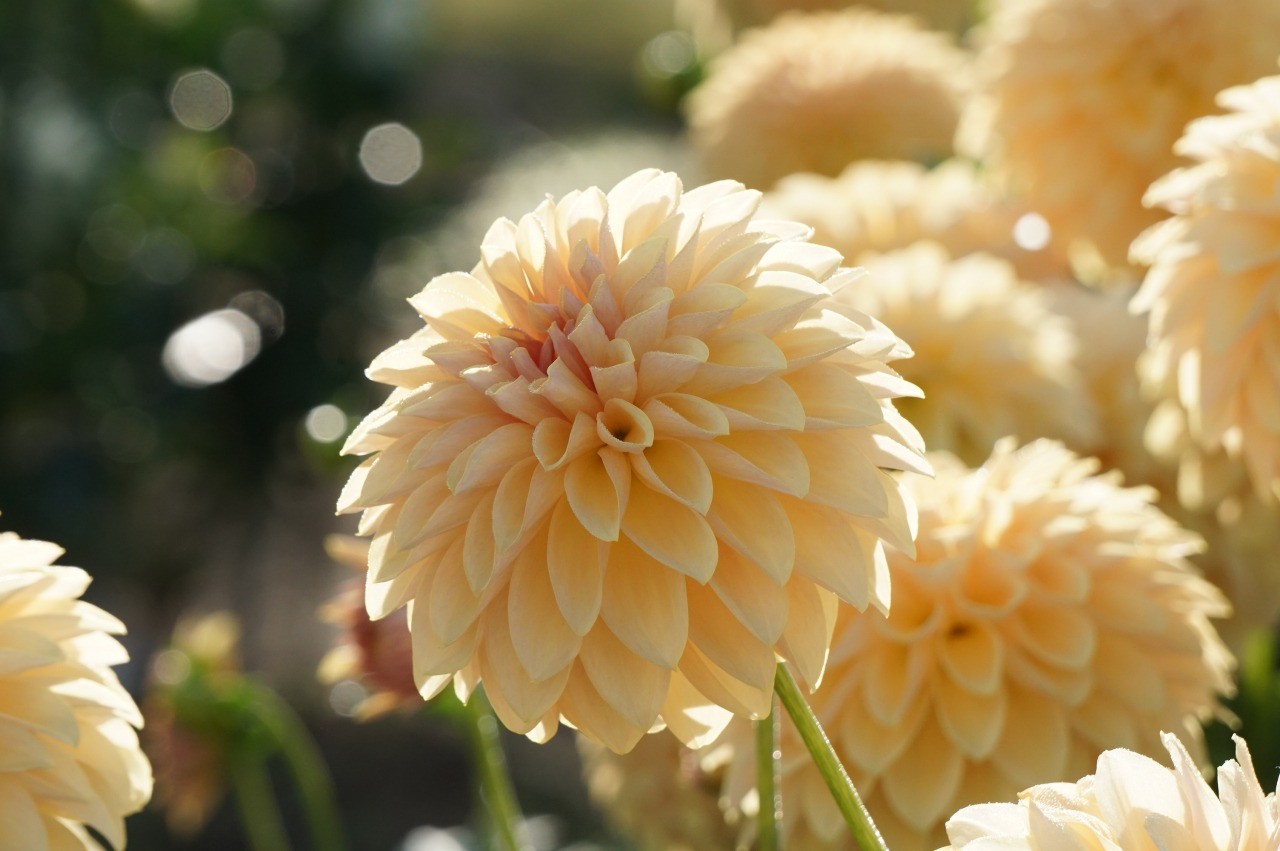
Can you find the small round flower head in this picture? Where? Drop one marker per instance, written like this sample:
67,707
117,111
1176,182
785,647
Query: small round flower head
1050,614
661,795
1132,803
1212,287
815,92
1082,100
636,452
991,358
878,206
376,654
69,753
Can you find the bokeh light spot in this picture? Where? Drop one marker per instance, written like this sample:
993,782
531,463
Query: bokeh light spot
211,349
200,100
669,54
390,154
1031,232
171,667
228,176
345,697
326,423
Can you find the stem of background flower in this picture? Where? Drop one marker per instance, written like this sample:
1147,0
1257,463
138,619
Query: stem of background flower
256,801
307,767
767,755
829,765
495,783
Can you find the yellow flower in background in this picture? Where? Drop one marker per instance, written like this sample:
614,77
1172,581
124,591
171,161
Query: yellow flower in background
878,206
1081,100
376,654
1132,803
812,93
1214,281
659,795
191,765
634,454
69,754
991,358
1050,614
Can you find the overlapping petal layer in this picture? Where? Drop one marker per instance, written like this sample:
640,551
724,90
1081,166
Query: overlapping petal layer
1132,803
1082,100
812,93
990,356
878,206
634,454
1050,614
69,754
1213,289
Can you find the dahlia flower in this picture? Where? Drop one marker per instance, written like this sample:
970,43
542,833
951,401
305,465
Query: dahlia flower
815,92
1082,100
69,754
1132,803
662,778
990,357
1050,614
877,206
377,654
1214,278
651,382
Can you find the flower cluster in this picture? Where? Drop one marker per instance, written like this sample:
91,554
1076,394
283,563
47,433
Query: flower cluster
637,453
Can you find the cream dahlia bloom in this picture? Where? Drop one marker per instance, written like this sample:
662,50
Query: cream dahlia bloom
815,92
1050,614
634,454
1132,803
1082,100
991,358
69,754
1214,282
660,796
878,206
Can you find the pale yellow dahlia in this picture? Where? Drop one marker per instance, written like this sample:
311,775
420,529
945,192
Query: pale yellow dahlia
1050,614
1132,803
1082,100
877,206
815,92
991,358
1213,289
636,452
660,795
69,754
376,654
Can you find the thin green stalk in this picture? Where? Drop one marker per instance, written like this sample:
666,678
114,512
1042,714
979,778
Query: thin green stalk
767,756
495,783
824,756
307,767
256,801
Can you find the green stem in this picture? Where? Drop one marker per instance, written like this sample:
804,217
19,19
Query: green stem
495,783
307,767
767,755
824,756
256,801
